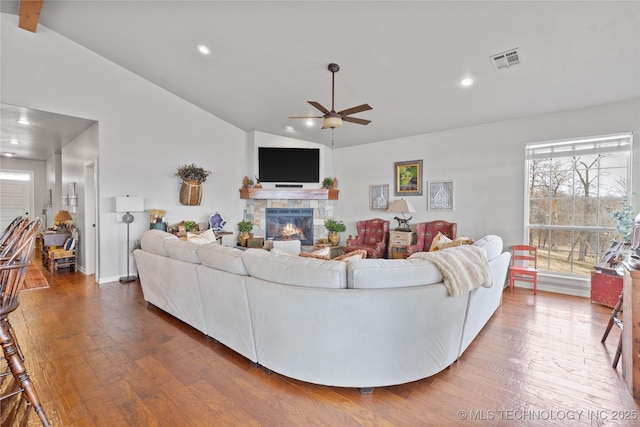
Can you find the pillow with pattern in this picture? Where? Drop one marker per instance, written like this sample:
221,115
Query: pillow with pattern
357,254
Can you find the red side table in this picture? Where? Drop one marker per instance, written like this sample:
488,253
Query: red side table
605,288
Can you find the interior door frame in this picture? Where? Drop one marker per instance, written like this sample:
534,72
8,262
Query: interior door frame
91,213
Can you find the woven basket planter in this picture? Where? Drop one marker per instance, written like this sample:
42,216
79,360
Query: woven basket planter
191,192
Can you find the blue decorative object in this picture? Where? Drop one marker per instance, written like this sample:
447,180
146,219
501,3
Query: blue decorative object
216,222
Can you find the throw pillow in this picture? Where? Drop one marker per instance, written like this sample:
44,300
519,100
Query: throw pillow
202,238
438,241
457,242
320,253
280,252
357,254
70,244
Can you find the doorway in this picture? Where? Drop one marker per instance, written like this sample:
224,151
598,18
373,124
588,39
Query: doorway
16,195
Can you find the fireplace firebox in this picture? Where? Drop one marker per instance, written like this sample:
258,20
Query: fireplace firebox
290,224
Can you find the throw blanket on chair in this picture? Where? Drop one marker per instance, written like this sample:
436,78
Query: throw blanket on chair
463,268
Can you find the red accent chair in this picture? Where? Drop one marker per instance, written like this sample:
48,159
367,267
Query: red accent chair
426,231
373,237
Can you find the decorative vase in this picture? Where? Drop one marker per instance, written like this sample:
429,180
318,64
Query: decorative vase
243,237
191,192
334,238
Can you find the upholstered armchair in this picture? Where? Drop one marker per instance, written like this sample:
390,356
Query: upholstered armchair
426,231
373,237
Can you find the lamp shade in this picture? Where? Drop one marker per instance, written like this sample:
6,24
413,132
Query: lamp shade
401,206
62,216
129,204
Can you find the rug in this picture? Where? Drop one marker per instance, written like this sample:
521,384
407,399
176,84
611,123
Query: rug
34,279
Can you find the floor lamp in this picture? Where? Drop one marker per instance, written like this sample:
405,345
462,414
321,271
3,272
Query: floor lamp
129,204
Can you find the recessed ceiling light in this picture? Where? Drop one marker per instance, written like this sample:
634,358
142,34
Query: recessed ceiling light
309,122
23,121
289,128
204,49
14,141
466,82
9,154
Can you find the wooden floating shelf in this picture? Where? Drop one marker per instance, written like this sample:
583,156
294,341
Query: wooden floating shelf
289,193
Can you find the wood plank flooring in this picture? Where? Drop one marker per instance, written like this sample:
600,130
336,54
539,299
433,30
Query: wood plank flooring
100,356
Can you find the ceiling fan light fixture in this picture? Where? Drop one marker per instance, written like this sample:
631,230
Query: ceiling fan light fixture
332,122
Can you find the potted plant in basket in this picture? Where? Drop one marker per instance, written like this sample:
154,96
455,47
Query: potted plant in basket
335,228
192,176
245,228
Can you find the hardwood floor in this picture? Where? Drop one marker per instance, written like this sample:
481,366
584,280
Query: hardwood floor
100,356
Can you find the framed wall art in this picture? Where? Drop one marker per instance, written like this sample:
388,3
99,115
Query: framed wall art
440,195
408,178
379,197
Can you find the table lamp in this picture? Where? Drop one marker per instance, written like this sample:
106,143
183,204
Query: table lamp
62,219
402,206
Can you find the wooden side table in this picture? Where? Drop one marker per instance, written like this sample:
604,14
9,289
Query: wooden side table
398,243
631,330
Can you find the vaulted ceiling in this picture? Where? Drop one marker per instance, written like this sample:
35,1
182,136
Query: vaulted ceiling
405,59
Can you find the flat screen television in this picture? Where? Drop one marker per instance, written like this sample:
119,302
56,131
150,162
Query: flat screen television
280,164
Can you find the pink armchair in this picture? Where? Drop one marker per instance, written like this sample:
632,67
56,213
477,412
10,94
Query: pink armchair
373,237
426,231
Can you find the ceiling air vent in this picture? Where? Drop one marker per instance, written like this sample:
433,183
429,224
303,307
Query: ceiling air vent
506,59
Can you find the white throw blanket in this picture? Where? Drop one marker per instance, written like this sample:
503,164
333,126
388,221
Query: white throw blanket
463,268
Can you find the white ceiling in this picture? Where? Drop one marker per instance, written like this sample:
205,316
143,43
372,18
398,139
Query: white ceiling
405,59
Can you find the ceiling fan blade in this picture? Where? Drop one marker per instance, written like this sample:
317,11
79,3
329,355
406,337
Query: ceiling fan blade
306,117
356,120
319,107
354,110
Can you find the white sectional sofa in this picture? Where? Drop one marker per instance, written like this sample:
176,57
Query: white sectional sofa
366,323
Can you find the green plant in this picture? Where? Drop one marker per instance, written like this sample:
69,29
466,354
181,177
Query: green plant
191,226
327,183
333,225
625,220
193,172
245,226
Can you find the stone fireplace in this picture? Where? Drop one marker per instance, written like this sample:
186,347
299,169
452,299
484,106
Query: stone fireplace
289,224
315,211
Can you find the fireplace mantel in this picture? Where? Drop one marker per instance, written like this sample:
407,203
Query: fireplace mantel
289,193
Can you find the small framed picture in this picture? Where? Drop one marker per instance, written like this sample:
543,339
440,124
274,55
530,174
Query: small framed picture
379,197
408,178
440,195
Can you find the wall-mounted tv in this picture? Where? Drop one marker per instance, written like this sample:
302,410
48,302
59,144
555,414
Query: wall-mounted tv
280,164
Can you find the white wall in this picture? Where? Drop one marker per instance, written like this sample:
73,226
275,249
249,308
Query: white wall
144,134
485,162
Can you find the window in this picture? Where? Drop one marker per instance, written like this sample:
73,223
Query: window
573,189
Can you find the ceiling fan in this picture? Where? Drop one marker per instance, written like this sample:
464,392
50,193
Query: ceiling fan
333,119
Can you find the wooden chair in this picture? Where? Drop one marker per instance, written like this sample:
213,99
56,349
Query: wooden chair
524,265
12,272
615,320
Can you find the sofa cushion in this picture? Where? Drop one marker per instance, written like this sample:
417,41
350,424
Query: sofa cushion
182,250
391,273
222,258
153,241
295,270
492,244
